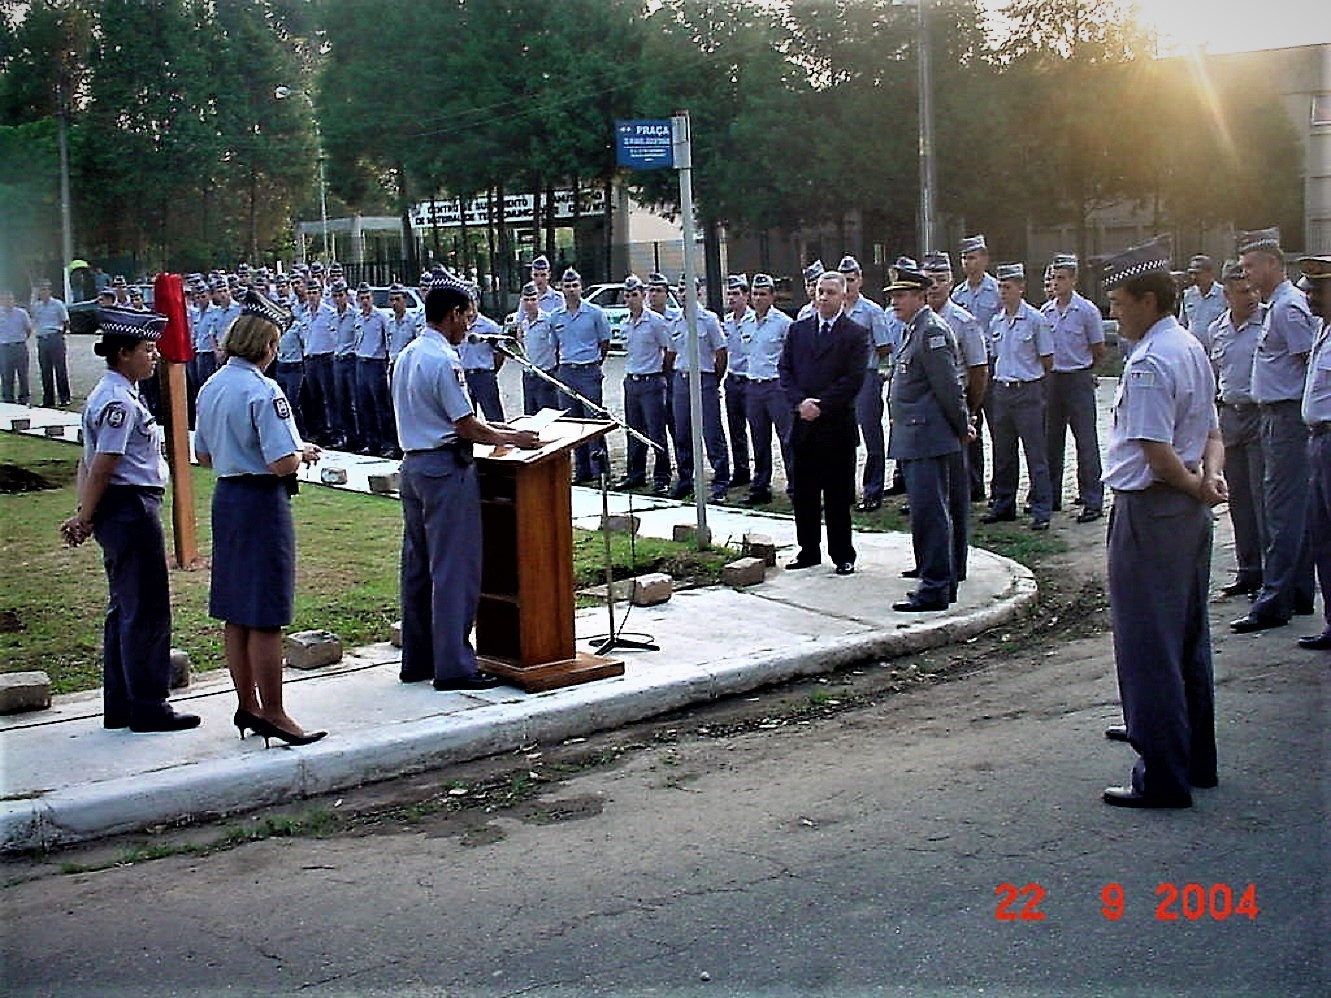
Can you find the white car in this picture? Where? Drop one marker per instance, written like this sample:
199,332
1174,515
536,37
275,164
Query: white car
610,297
381,299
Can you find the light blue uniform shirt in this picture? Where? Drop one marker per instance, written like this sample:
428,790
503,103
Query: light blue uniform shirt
291,344
196,316
972,348
645,343
550,301
1166,395
1317,390
244,421
345,328
982,302
1018,342
1232,348
806,310
738,334
1201,310
15,325
320,329
538,339
769,339
479,356
869,314
115,421
216,321
581,333
372,335
429,392
711,338
1280,364
1075,329
49,317
402,331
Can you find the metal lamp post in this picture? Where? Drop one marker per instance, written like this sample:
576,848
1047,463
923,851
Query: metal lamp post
282,93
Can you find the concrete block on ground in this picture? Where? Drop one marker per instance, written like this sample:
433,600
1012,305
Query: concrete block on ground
312,649
20,423
23,691
395,634
744,572
652,589
54,431
687,533
179,668
620,523
760,546
333,476
384,484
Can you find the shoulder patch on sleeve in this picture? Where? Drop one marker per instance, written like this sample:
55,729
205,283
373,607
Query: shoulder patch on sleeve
935,342
282,407
114,415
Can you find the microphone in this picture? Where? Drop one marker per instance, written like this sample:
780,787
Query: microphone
488,338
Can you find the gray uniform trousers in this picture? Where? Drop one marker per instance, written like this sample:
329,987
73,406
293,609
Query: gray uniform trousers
373,403
483,386
136,637
1017,414
1319,514
14,371
1072,406
975,449
1159,571
290,375
714,438
1241,431
441,565
538,394
869,415
1287,569
928,489
737,426
347,424
55,370
319,414
959,507
585,379
644,411
768,407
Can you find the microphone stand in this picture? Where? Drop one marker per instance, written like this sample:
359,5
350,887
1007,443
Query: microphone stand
615,638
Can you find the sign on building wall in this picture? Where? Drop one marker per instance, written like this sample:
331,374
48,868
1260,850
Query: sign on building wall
518,209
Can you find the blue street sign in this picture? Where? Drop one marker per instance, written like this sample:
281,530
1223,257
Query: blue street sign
644,145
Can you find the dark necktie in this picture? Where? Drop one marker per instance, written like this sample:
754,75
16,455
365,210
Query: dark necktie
827,327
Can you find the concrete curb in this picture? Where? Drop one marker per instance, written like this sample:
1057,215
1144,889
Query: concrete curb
226,786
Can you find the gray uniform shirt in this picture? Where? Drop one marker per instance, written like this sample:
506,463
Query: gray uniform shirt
115,421
244,421
1017,343
1232,347
1280,363
1317,390
925,398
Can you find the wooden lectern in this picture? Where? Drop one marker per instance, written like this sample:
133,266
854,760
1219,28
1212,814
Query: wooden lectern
524,624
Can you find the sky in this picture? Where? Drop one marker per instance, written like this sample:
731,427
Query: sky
1236,25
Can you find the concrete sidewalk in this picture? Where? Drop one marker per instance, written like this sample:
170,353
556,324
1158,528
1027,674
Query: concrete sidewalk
65,778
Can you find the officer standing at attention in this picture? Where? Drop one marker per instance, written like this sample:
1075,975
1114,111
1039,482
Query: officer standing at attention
739,331
373,405
1233,339
929,425
978,295
547,298
121,478
289,367
1079,344
538,342
320,335
50,319
811,273
972,355
344,367
646,344
658,300
208,339
884,337
1204,301
1316,409
766,403
1165,463
713,356
15,328
582,334
822,371
403,324
1279,370
482,362
441,507
1023,349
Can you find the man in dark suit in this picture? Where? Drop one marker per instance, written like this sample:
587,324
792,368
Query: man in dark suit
822,369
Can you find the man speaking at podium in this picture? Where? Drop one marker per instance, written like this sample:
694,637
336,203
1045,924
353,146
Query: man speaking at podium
441,505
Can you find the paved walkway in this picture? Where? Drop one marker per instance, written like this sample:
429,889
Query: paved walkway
65,778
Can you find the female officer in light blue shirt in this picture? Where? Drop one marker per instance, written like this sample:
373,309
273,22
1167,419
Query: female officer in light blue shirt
122,476
246,434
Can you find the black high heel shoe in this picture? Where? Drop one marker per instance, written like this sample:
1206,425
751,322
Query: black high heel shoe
244,719
268,730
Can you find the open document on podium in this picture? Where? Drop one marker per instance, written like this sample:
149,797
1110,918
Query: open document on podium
556,431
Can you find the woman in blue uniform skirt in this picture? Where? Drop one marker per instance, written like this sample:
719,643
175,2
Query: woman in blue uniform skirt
245,432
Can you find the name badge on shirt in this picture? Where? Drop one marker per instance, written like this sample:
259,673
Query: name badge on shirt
937,341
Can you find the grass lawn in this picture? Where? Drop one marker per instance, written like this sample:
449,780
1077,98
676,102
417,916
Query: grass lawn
53,597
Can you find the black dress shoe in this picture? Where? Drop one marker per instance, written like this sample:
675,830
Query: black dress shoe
1057,507
895,489
584,480
1209,782
681,492
845,568
802,563
1117,732
1316,642
1089,515
757,499
114,722
1252,622
414,677
741,479
718,494
1128,797
629,483
1241,587
661,491
1303,608
911,573
480,681
998,517
167,721
917,605
868,505
1039,524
